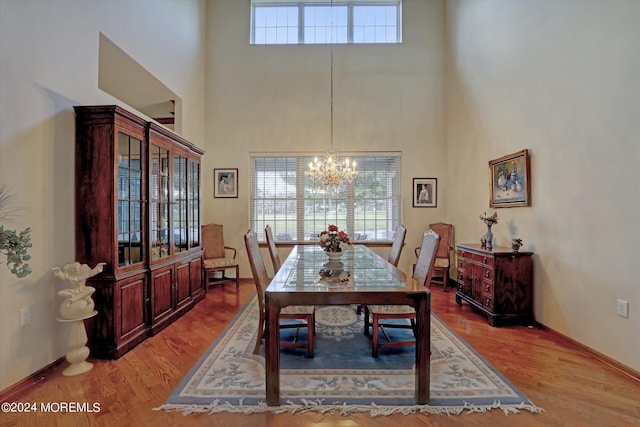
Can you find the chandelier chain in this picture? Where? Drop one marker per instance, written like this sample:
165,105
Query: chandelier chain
331,70
331,170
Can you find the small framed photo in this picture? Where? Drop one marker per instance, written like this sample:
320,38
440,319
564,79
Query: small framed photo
225,183
509,181
425,192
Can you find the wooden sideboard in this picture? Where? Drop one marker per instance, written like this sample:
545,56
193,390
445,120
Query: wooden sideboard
498,282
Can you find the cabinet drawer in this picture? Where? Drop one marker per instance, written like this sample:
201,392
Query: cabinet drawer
487,273
487,301
487,288
464,289
483,259
465,254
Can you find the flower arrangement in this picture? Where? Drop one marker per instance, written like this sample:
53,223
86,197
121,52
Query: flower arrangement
515,244
334,240
490,220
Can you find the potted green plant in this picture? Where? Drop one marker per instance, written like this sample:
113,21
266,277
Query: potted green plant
14,245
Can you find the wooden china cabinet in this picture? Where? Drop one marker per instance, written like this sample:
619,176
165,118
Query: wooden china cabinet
138,210
174,224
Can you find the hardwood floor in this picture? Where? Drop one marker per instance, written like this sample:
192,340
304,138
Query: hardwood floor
572,386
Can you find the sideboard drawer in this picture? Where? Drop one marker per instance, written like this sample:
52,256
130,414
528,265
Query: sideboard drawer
487,274
487,301
483,259
487,287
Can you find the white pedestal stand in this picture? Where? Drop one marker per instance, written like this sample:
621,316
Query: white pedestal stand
78,351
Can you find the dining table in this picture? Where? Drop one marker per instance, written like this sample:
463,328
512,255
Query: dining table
359,277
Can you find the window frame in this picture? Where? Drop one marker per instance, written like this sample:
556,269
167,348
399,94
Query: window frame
343,206
302,4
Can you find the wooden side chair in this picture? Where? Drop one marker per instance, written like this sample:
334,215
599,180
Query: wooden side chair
393,259
218,258
398,244
273,251
422,274
443,255
304,313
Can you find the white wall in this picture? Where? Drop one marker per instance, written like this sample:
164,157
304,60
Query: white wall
561,78
49,63
277,98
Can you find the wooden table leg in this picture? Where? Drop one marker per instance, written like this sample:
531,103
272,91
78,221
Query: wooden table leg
423,350
272,351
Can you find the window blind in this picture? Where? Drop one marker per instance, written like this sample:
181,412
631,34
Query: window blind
298,207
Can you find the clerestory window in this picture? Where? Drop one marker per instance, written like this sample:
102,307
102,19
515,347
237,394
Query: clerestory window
323,22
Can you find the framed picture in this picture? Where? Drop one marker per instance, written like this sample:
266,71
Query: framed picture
425,192
509,180
225,183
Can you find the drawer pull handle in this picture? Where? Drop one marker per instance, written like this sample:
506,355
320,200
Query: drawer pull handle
487,274
486,303
484,260
487,288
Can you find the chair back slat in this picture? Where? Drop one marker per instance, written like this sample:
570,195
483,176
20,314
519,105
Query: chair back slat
273,250
426,260
398,244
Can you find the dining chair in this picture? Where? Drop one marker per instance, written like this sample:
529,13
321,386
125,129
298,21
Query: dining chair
422,274
273,250
398,244
304,313
217,257
443,254
394,257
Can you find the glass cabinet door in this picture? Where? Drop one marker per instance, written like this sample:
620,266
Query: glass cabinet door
180,203
130,230
159,202
193,215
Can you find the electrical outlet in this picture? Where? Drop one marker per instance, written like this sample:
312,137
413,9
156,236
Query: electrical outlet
25,316
623,308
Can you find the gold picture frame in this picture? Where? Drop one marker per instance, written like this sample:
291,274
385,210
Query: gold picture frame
509,181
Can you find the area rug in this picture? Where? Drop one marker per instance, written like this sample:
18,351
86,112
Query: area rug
342,376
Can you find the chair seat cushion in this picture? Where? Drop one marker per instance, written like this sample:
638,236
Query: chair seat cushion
298,309
391,309
441,262
219,262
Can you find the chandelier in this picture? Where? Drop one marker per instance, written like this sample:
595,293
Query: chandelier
331,170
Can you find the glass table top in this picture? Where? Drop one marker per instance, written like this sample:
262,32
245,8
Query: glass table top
308,268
